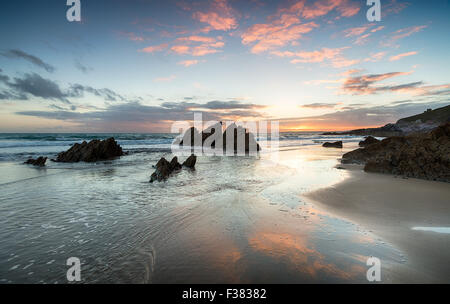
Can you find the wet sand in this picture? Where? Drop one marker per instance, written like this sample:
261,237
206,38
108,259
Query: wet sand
391,207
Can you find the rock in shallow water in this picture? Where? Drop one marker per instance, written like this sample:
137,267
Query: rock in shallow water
190,162
95,150
425,156
337,144
368,141
164,169
40,161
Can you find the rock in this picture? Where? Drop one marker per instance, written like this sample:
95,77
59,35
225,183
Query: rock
424,155
190,162
95,150
368,141
40,161
162,172
337,144
174,164
249,140
164,169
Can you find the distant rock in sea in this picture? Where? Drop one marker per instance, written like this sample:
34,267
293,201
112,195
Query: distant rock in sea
40,161
424,156
164,169
239,134
337,144
368,141
95,150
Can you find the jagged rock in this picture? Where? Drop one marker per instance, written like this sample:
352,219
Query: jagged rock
162,172
164,169
190,162
95,150
40,161
337,144
250,142
368,141
174,164
425,155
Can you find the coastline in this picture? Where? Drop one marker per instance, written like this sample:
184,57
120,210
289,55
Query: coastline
390,207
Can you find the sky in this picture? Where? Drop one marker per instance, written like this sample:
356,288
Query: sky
140,65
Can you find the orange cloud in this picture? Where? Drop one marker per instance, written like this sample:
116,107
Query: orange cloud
400,56
276,34
286,27
220,17
180,49
188,63
320,8
155,48
333,55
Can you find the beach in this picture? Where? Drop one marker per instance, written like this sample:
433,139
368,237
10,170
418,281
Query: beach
261,219
410,213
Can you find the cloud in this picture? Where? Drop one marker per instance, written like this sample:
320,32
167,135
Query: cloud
400,56
403,33
361,117
132,36
334,56
320,105
154,48
82,67
20,88
18,54
363,85
165,79
188,63
285,26
135,116
394,7
320,8
219,17
37,86
278,33
374,57
78,90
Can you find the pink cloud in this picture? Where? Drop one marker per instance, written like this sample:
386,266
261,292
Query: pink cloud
334,56
285,27
377,29
155,48
375,57
276,34
400,56
319,8
188,63
219,17
180,49
406,32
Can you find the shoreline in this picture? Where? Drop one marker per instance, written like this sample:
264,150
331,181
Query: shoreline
390,207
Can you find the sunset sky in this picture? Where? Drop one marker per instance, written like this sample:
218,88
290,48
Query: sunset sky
136,66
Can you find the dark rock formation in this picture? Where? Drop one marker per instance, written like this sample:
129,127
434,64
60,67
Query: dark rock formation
162,172
95,150
40,161
337,144
420,123
239,133
174,164
368,141
425,156
190,162
164,169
